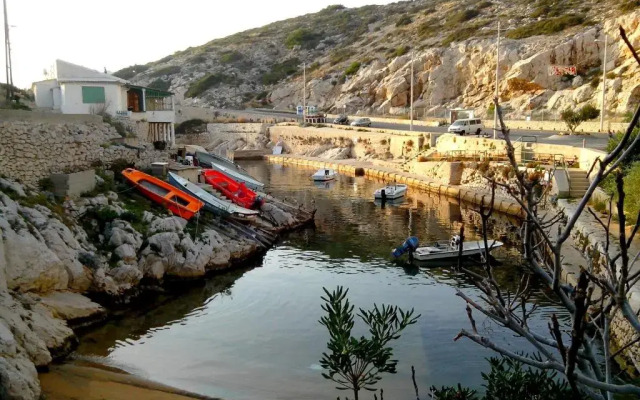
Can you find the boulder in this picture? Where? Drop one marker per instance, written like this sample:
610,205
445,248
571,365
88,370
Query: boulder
126,276
168,224
74,308
282,218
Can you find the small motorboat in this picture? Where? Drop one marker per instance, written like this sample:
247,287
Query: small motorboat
234,191
324,175
443,249
390,192
211,202
179,203
228,167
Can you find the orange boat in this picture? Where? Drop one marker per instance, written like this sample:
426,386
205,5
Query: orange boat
178,202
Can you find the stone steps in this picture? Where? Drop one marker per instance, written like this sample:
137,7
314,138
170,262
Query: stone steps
578,182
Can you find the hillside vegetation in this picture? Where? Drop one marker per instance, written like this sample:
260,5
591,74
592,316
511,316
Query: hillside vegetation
337,42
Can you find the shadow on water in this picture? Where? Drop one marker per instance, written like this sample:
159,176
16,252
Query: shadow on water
254,333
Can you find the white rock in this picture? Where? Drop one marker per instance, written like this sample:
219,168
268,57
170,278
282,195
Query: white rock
168,224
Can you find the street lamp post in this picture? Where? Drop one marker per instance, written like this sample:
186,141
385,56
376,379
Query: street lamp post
411,94
304,92
604,83
495,110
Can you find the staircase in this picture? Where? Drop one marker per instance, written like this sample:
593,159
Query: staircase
578,182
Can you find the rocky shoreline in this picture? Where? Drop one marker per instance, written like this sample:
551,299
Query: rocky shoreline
65,266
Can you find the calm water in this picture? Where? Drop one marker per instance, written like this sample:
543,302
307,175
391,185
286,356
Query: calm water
254,333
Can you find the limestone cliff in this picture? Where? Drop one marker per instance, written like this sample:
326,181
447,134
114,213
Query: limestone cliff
360,58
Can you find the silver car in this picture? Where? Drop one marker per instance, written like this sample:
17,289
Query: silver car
361,122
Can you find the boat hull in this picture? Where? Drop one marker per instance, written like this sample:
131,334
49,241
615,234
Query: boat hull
179,203
469,249
233,190
391,192
229,168
211,202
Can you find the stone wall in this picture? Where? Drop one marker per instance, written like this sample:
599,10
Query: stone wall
34,150
222,137
363,143
449,173
47,117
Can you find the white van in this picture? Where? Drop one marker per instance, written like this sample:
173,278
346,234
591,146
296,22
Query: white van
464,126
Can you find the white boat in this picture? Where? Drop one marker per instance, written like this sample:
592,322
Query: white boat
391,192
229,168
324,175
451,249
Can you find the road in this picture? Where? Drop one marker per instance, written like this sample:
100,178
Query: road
593,140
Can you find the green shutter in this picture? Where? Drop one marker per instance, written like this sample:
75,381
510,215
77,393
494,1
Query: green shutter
93,94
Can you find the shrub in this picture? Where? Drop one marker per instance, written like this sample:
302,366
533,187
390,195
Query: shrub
203,84
611,75
160,145
130,72
463,16
464,33
340,55
168,70
429,28
546,26
403,20
280,71
302,37
400,51
484,4
191,126
352,69
160,84
229,57
573,119
629,5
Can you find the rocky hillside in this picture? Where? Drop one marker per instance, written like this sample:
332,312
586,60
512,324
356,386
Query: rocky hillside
360,58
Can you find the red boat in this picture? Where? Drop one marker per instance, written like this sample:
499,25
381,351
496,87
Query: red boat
234,191
178,202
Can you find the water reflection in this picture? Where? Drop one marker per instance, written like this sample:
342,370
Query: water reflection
255,333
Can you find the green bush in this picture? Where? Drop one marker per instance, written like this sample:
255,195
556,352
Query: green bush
230,57
511,380
280,71
629,5
546,26
191,126
352,69
399,51
403,20
160,84
207,82
573,118
484,4
429,28
463,16
340,55
130,72
168,70
302,37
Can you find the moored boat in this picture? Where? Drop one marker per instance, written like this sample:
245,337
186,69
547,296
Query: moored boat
234,191
229,168
324,174
211,202
391,192
443,249
179,203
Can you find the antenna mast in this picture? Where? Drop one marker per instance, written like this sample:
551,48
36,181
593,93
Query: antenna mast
7,54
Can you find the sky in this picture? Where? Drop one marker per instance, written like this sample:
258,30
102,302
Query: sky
114,34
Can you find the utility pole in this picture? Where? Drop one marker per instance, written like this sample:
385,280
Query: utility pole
495,110
604,83
411,102
7,54
304,92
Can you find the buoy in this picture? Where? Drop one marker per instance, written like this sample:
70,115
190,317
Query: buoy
359,171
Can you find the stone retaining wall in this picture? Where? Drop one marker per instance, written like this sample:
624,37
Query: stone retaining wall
31,151
460,193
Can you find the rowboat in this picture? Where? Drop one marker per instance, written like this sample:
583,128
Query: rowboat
391,192
159,191
229,168
211,202
234,191
444,249
324,175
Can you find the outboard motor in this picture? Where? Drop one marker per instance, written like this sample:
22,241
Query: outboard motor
455,241
409,245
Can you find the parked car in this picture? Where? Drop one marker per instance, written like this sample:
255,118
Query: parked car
341,120
464,126
361,122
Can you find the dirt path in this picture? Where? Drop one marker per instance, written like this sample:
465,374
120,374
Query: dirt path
83,381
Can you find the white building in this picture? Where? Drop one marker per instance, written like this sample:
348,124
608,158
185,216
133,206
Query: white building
74,89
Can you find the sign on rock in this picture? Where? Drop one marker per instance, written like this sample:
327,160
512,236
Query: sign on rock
560,70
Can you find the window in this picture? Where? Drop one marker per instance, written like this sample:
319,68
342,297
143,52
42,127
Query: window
92,94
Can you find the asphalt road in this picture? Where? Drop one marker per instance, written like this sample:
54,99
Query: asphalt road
593,140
